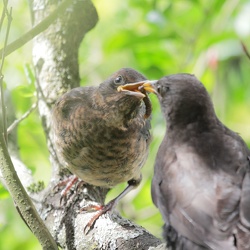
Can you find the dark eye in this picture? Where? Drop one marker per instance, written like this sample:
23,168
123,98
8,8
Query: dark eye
166,88
118,80
162,89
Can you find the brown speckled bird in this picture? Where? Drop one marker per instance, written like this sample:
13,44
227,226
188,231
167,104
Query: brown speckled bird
201,181
102,133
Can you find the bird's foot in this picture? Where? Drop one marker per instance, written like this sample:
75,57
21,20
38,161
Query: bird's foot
100,210
68,183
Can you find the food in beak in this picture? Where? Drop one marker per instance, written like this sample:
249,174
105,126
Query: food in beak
149,86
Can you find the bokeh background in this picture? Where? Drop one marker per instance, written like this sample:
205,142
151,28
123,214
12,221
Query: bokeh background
157,38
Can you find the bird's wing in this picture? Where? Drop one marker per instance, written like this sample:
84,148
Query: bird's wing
163,199
200,203
243,227
241,167
69,114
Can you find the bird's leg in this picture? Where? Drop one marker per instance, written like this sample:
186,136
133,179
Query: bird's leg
102,209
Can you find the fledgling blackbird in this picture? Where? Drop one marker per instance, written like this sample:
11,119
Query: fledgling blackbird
102,133
201,181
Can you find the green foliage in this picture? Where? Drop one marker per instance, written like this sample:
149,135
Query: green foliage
14,234
157,38
36,187
3,193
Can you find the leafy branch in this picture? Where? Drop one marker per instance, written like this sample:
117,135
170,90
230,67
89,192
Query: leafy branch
37,29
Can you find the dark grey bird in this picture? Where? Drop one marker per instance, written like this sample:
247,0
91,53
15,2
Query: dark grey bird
102,133
201,181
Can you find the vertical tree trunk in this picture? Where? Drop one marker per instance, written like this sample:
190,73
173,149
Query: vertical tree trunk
55,55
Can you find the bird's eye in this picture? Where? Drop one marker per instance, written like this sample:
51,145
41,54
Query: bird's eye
118,80
166,88
162,89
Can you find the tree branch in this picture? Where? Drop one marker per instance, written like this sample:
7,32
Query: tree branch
24,116
22,201
4,120
40,27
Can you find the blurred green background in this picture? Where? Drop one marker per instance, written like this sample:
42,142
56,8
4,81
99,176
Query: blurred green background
156,38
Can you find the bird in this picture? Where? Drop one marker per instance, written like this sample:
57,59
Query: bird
201,182
102,133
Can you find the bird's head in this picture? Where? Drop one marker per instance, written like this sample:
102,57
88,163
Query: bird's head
121,92
182,97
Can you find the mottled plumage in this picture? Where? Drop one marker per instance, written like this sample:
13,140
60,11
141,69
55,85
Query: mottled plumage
101,134
201,181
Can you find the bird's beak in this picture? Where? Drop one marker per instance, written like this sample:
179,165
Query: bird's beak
137,88
149,86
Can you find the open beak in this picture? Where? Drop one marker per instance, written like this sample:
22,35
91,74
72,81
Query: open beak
137,88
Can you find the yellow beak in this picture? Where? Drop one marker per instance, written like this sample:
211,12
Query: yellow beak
149,86
136,88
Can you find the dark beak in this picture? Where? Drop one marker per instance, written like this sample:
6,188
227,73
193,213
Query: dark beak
136,88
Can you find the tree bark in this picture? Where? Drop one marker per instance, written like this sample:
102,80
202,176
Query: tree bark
55,56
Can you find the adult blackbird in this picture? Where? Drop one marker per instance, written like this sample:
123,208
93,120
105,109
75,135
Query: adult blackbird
101,133
201,181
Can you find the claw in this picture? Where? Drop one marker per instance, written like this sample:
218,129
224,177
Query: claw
101,209
91,222
68,183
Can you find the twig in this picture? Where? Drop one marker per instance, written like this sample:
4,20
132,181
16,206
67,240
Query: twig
22,200
245,50
3,14
4,120
9,16
43,25
25,115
